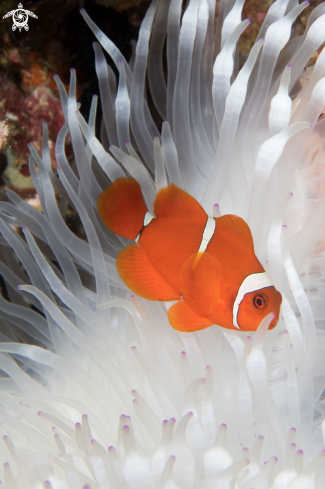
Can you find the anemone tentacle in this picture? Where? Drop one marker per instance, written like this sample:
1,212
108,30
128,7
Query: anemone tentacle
97,390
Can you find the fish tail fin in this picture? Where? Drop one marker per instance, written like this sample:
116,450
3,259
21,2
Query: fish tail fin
122,208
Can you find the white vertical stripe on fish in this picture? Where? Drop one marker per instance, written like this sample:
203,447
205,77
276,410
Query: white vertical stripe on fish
207,234
146,220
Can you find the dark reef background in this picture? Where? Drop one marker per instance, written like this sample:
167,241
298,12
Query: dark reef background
58,40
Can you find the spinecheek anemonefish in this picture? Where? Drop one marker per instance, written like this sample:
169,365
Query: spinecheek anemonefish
207,264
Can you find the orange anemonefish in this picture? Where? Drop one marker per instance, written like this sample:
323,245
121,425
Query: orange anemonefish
207,264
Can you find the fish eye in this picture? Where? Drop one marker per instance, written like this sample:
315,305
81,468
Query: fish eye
259,301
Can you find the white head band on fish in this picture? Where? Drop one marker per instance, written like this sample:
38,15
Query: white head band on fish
253,282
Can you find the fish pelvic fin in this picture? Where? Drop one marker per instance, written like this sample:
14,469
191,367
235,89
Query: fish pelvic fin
182,318
139,274
122,208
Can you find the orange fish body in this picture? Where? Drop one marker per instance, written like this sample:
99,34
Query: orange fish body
206,264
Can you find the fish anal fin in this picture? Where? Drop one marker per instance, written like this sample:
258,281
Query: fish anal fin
139,274
174,202
182,318
122,208
201,284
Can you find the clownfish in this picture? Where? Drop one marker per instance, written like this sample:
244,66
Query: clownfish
206,264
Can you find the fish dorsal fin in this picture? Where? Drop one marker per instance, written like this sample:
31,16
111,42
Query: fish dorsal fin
122,208
174,202
201,283
236,227
182,318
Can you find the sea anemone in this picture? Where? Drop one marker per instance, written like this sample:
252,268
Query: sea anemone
97,389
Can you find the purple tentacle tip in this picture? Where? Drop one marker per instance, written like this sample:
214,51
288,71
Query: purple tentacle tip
288,66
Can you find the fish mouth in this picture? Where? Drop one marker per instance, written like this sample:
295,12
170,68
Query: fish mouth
273,323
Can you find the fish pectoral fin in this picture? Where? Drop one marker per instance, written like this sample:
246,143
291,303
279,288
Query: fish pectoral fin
182,318
139,274
201,283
